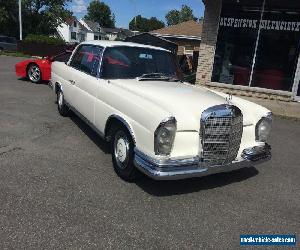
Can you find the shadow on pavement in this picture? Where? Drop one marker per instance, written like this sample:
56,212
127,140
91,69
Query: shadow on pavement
168,188
103,145
176,187
26,80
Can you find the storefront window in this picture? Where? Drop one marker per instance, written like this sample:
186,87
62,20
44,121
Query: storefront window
278,47
236,41
258,43
234,56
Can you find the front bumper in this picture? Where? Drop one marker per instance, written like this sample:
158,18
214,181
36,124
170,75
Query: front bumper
174,169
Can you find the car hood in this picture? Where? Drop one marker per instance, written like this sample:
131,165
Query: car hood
184,101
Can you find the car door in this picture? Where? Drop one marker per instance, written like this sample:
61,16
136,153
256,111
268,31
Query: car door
68,82
84,80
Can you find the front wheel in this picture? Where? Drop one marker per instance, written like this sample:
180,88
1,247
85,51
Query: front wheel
122,154
62,107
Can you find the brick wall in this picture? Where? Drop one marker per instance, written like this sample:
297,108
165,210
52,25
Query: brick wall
184,42
252,92
208,40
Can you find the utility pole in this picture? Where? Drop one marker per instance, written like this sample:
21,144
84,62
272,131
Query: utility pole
20,20
135,11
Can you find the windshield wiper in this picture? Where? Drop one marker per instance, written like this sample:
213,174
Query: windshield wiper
157,77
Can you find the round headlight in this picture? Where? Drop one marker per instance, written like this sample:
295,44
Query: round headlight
164,137
263,128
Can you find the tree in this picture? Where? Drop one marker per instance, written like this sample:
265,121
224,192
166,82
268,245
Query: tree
8,18
155,24
100,12
174,17
143,24
39,16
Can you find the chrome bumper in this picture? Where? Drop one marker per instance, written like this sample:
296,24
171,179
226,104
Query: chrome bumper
174,169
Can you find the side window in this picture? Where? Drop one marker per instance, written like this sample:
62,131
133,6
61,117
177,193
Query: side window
63,57
87,59
73,35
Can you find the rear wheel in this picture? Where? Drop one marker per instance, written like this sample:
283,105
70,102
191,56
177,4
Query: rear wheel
34,73
122,154
62,107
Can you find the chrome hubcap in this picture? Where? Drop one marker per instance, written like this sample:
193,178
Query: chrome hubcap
34,73
121,149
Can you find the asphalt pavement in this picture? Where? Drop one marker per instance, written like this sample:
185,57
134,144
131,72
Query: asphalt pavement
58,189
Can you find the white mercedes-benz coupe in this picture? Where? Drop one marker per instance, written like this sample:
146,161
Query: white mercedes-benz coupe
134,97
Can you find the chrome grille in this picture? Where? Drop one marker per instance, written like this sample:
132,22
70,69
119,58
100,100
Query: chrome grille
221,133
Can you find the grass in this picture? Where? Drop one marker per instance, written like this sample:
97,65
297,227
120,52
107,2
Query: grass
16,54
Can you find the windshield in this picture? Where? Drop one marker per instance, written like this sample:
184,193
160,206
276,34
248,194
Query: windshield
134,62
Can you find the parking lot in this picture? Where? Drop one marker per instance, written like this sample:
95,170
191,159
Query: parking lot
58,189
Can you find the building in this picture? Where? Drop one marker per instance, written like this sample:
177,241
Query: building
186,35
94,31
72,31
251,47
120,34
153,40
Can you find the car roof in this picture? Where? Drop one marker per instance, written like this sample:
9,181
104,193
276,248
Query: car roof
106,43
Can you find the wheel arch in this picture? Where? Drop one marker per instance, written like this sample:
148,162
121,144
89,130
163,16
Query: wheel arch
57,86
27,67
34,63
118,120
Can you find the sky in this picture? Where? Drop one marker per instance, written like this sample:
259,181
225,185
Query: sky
125,10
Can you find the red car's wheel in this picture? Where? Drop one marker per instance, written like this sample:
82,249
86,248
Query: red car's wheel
34,73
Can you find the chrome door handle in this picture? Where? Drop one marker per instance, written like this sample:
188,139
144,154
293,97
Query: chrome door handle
72,82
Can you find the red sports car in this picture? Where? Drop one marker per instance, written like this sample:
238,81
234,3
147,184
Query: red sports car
37,70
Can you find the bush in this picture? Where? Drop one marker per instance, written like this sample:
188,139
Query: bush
44,39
